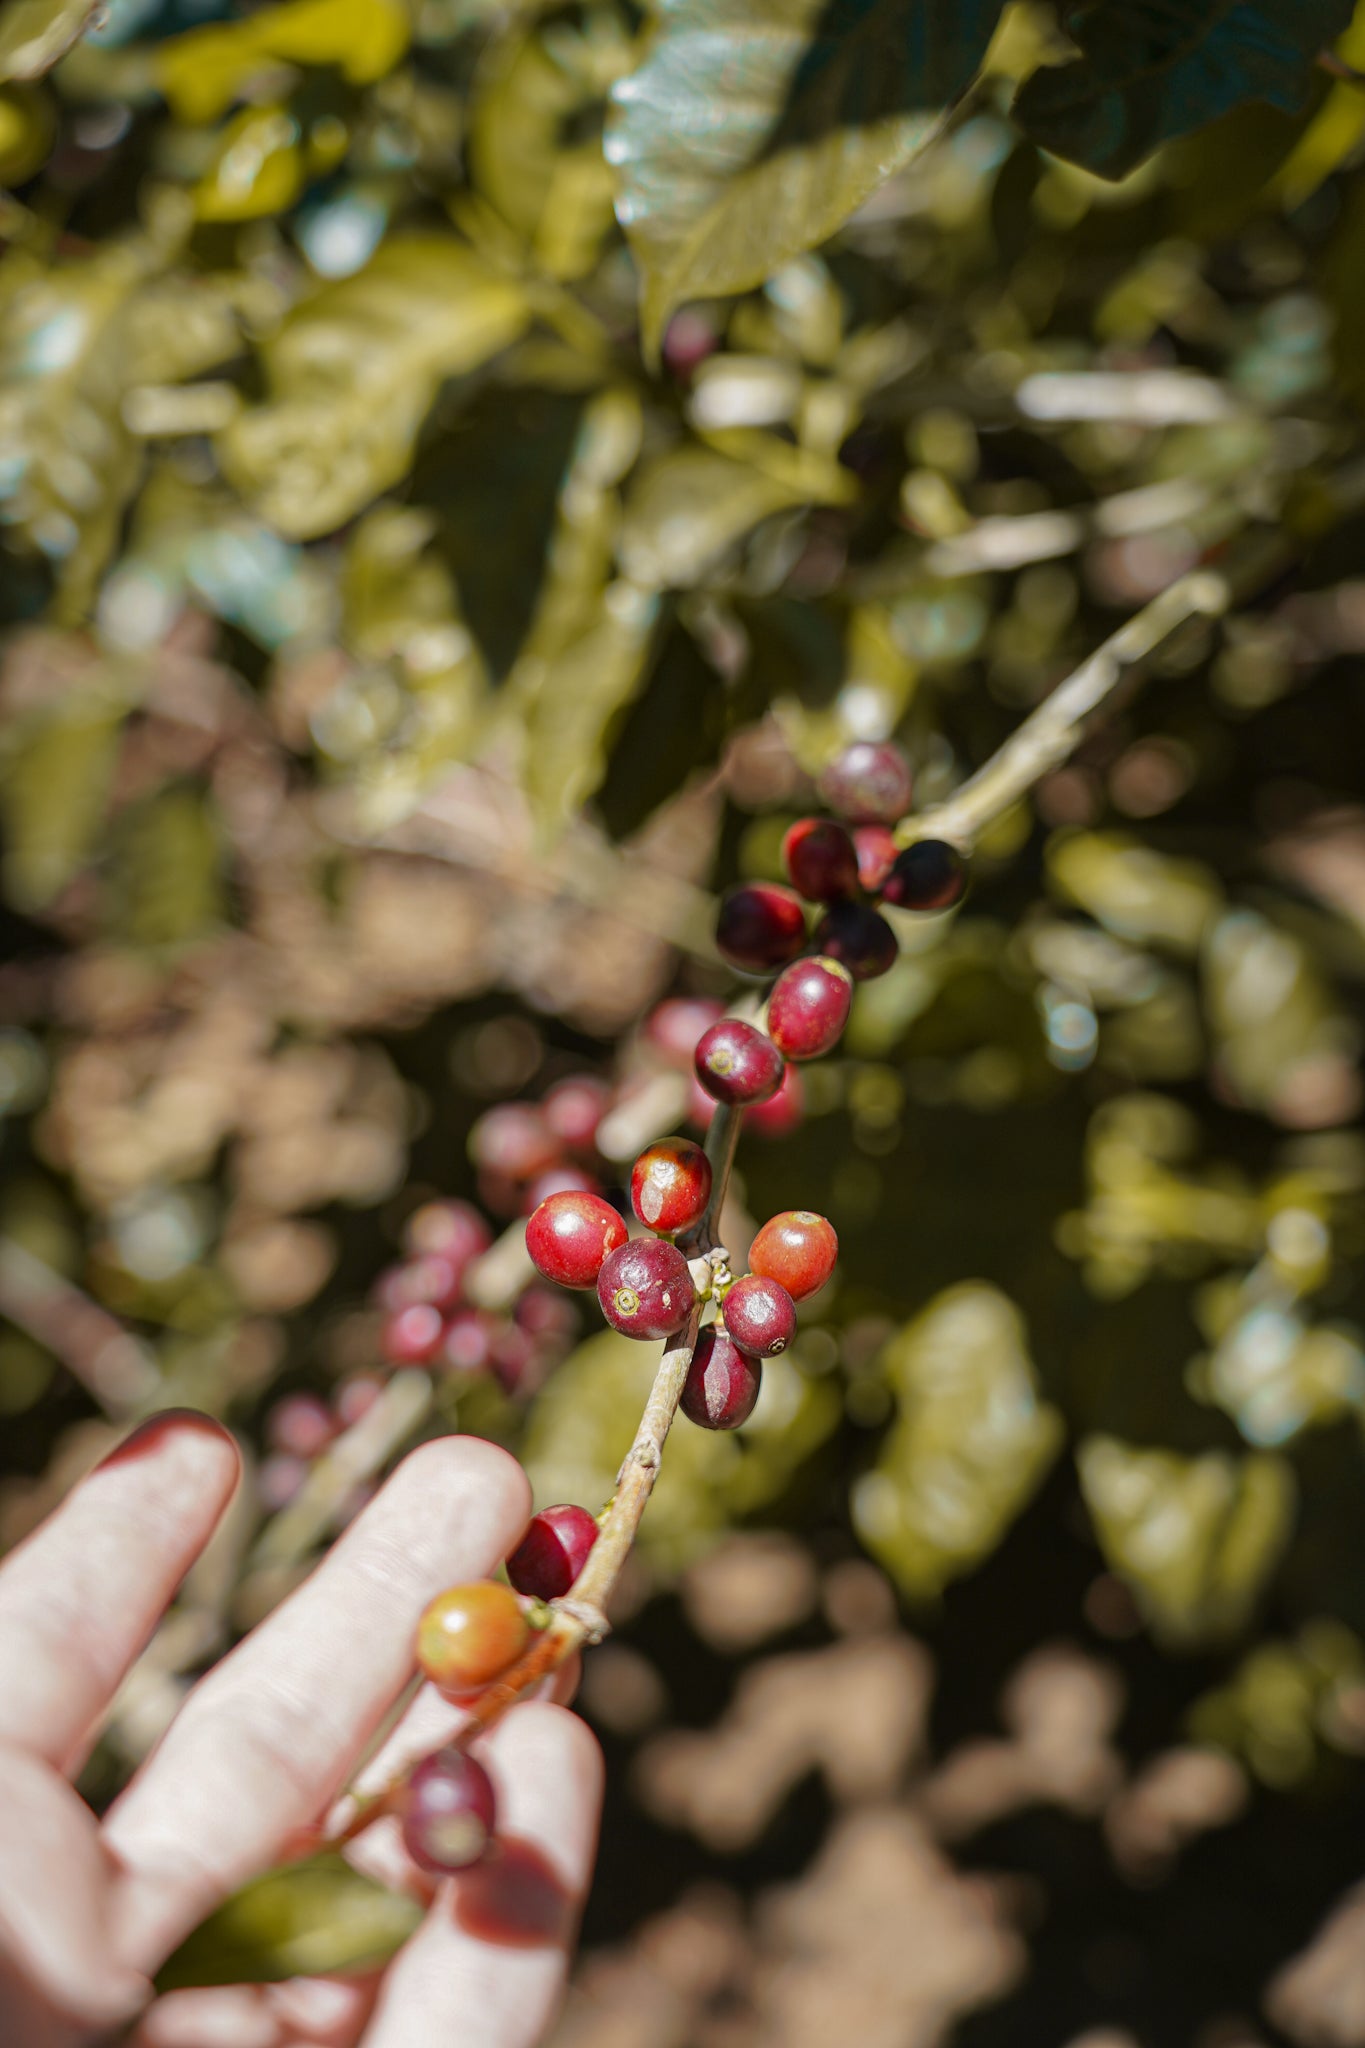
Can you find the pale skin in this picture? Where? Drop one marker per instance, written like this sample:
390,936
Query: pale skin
257,1757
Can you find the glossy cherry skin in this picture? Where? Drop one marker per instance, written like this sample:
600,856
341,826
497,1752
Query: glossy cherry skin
469,1635
670,1184
569,1236
738,1064
722,1384
877,849
784,1113
553,1552
798,1249
760,1316
645,1289
869,784
449,1812
760,927
821,860
860,939
930,875
809,1007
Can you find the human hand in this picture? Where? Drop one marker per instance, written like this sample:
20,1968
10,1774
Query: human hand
90,1909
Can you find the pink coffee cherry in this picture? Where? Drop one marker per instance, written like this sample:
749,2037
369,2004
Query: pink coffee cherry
737,1064
877,850
454,1230
821,860
553,1552
574,1108
467,1342
869,783
450,1811
722,1384
645,1289
413,1335
300,1425
427,1277
674,1026
566,1178
809,1007
670,1184
569,1236
760,1316
514,1141
759,927
784,1113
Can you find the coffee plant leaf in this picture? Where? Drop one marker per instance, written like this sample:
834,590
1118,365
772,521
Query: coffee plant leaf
204,71
309,1919
35,33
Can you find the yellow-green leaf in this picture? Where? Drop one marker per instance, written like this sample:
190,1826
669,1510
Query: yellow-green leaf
203,72
307,1920
35,33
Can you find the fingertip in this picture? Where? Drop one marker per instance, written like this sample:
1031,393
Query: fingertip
186,1439
468,1477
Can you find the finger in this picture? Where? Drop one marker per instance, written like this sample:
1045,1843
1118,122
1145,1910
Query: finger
79,1599
262,1744
307,2012
488,1965
54,1878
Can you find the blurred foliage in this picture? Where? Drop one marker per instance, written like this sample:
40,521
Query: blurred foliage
464,469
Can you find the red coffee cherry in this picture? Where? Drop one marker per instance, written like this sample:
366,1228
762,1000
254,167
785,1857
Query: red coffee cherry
574,1108
670,1184
798,1249
467,1341
563,1179
760,1316
569,1236
300,1425
413,1335
674,1026
869,783
737,1064
722,1383
877,849
429,1276
821,860
759,927
452,1230
859,938
645,1289
553,1552
784,1113
930,875
809,1008
513,1141
449,1812
469,1635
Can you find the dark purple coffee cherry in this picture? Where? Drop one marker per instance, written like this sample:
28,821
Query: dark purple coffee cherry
760,927
737,1064
553,1551
760,1316
449,1812
645,1289
722,1384
860,939
930,875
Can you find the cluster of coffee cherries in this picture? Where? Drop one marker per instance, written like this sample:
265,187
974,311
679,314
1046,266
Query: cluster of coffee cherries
846,868
467,1639
429,1320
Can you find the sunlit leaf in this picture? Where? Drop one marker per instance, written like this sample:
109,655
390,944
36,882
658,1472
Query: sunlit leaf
309,1919
203,72
35,33
27,126
353,373
970,1443
751,132
54,784
1149,72
689,508
1196,1538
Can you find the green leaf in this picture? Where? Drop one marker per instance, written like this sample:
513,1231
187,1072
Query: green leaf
352,375
754,128
203,72
1197,1538
305,1920
54,787
167,870
35,33
1150,70
690,507
971,1441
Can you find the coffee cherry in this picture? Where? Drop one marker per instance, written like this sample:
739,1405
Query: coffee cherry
798,1249
469,1635
859,938
930,875
737,1064
467,1342
413,1335
449,1812
564,1179
869,783
300,1425
760,926
784,1113
876,847
821,860
452,1230
645,1288
569,1236
670,1184
722,1384
760,1316
430,1276
553,1552
356,1396
674,1027
809,1008
574,1108
513,1141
